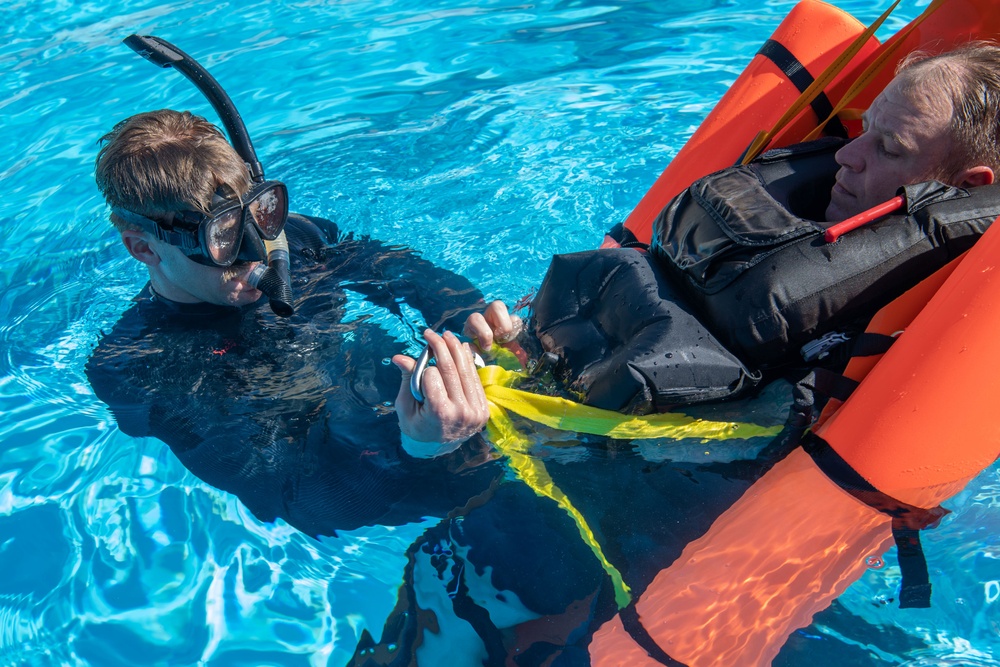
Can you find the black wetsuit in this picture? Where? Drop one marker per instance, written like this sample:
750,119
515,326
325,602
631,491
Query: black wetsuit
294,416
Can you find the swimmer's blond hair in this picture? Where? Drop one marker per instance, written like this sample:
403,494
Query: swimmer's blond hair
163,161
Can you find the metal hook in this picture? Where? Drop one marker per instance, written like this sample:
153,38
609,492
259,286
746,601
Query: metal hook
423,361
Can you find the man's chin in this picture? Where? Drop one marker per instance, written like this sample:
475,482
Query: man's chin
249,295
837,212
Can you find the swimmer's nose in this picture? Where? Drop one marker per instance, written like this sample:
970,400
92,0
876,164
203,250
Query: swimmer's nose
252,247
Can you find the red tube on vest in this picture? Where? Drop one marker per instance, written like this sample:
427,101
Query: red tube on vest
834,232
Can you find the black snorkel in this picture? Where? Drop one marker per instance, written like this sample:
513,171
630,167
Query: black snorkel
273,281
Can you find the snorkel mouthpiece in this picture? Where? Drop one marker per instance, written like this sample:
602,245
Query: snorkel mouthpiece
273,280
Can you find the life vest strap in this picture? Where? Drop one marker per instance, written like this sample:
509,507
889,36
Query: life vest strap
915,591
869,343
637,631
907,520
623,237
800,77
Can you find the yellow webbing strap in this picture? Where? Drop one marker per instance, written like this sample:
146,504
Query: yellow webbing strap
875,67
816,87
566,415
506,438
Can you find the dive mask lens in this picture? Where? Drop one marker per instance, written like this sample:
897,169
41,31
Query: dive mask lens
223,235
268,209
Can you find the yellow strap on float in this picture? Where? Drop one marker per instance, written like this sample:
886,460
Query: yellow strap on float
875,67
562,414
816,87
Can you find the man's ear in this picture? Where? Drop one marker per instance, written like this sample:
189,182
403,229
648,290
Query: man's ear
138,245
974,177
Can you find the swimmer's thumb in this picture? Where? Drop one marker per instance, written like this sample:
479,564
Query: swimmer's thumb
405,403
405,365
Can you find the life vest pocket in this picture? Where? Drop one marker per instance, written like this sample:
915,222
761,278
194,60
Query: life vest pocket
624,338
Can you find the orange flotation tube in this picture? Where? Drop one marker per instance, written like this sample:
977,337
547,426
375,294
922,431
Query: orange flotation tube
815,33
918,428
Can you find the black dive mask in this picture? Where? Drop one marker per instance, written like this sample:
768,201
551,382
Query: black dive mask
232,230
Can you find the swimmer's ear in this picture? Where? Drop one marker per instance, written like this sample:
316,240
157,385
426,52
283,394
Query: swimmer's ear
974,177
138,245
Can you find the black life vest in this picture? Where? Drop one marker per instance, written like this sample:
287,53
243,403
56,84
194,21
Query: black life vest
737,279
742,246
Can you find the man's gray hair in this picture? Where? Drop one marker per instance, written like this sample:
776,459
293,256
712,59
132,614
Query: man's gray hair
970,76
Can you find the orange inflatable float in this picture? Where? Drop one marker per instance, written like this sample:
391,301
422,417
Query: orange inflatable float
916,430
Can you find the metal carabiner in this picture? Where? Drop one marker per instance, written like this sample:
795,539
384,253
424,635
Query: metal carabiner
423,361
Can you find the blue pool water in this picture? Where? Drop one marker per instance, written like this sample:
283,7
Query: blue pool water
489,136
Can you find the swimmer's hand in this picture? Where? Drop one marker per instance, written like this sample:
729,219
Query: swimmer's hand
494,325
454,407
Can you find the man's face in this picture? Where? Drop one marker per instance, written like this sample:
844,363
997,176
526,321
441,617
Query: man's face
906,140
179,279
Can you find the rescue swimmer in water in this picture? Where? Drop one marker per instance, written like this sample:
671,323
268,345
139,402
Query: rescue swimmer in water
209,243
288,410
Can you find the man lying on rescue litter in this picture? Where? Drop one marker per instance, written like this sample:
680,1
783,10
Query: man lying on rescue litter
937,120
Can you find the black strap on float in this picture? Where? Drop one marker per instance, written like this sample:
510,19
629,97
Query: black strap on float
834,385
868,344
637,631
907,520
800,77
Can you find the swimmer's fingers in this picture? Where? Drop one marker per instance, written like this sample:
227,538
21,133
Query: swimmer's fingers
454,406
478,329
494,325
406,405
454,393
472,386
457,370
505,326
421,427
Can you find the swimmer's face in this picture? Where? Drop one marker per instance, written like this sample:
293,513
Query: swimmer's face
177,278
906,140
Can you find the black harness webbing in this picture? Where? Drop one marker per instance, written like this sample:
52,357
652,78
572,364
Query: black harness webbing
867,344
634,627
800,77
835,385
625,237
907,520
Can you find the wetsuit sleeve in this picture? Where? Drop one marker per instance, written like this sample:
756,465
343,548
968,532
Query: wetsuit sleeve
387,275
306,232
